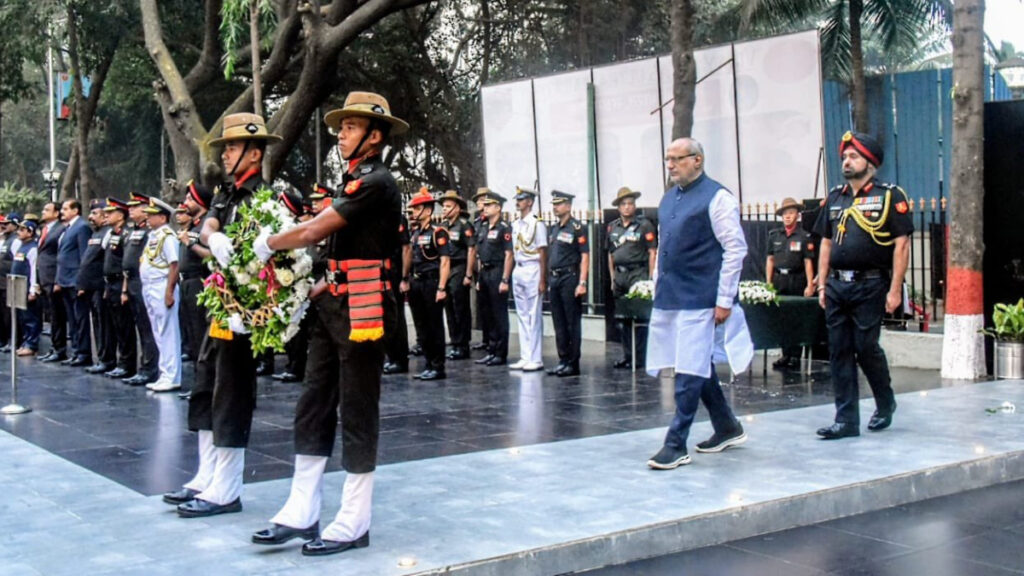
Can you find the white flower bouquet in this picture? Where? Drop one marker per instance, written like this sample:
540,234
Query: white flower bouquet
269,298
757,292
641,290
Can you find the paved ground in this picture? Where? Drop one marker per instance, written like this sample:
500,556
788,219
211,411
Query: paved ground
976,533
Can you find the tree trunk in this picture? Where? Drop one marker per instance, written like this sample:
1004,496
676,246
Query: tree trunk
963,353
860,97
254,40
684,69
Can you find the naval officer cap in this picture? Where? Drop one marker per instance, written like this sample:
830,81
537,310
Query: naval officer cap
525,194
494,198
158,206
557,197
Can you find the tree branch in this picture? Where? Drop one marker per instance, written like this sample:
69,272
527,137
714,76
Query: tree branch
208,66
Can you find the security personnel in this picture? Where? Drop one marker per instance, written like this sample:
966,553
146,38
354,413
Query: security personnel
790,266
530,239
428,286
24,264
396,342
568,266
865,226
297,347
224,396
632,252
462,236
473,261
9,228
159,272
113,278
494,251
90,286
131,289
354,311
192,270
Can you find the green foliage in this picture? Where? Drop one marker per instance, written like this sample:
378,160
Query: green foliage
20,199
234,29
1007,322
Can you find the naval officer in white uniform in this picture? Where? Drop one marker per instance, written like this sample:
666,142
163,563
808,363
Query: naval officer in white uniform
530,241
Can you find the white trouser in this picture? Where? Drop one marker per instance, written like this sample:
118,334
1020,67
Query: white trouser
166,331
226,485
529,303
302,509
353,520
207,462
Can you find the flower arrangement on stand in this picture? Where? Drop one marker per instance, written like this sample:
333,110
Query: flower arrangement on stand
757,292
268,299
637,303
641,290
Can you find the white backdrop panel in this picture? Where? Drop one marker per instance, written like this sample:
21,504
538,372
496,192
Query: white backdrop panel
779,86
628,135
714,115
508,137
561,104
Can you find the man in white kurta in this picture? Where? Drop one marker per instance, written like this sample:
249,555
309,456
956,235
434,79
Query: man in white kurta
530,241
700,255
158,270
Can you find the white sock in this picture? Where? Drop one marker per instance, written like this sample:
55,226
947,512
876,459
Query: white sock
353,520
207,461
226,485
302,509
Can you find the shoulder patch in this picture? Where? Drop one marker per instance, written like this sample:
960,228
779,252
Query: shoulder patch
649,237
902,207
442,240
352,186
468,232
366,169
582,240
507,236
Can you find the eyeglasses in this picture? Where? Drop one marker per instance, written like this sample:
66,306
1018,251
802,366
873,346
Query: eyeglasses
678,159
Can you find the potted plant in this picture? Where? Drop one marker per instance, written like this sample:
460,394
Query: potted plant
637,303
1008,332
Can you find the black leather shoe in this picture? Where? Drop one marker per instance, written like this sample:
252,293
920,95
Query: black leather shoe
180,496
458,354
6,348
478,346
99,368
320,547
879,421
286,377
79,361
554,371
416,350
186,357
431,374
484,360
264,369
54,358
117,373
278,534
197,508
839,430
569,370
137,380
496,361
392,368
186,395
625,363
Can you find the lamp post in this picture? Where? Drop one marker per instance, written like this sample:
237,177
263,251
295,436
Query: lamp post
51,176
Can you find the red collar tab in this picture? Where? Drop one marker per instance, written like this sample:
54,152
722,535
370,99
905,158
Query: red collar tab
790,229
252,172
352,164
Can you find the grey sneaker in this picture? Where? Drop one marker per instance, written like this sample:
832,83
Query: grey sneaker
668,458
719,442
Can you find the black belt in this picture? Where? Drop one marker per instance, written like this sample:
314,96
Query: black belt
564,270
189,275
487,265
629,267
428,274
785,271
855,275
113,277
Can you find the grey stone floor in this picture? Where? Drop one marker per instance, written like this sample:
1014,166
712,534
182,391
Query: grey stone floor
538,509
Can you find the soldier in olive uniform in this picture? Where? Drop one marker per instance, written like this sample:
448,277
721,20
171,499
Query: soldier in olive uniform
113,275
865,227
192,271
494,251
462,236
428,287
131,289
90,286
632,253
568,266
396,342
790,266
473,262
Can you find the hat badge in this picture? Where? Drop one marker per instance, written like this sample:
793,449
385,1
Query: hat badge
848,136
251,128
377,109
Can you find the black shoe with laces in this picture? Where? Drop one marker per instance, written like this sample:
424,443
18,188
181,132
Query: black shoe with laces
719,442
668,458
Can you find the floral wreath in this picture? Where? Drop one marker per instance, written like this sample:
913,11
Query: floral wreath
270,299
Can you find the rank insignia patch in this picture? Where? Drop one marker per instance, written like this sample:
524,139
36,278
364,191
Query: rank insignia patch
901,207
352,186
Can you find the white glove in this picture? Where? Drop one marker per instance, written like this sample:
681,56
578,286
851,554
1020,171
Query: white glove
221,248
260,247
236,325
300,312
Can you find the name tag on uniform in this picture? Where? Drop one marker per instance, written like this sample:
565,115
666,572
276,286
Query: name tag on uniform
454,235
492,234
94,241
565,237
115,241
632,237
136,236
794,246
423,240
19,257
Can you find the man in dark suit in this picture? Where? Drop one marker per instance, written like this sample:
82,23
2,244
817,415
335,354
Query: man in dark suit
71,246
51,229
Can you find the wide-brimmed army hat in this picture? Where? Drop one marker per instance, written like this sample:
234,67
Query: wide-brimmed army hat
624,192
480,193
244,126
452,195
788,203
365,105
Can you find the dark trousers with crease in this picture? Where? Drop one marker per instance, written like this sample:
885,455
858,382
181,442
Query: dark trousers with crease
853,314
396,343
54,304
341,374
457,310
428,316
690,391
224,395
192,316
102,329
494,306
78,321
150,355
122,328
567,316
